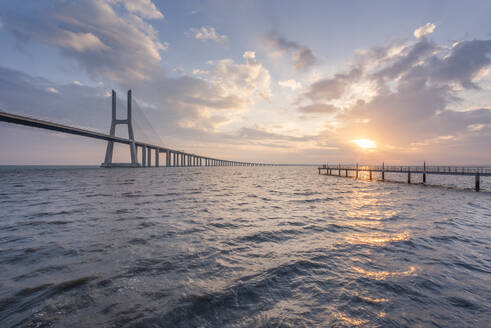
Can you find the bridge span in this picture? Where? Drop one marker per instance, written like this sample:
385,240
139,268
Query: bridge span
173,157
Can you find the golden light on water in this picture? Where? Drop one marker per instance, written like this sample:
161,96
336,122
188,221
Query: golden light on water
365,143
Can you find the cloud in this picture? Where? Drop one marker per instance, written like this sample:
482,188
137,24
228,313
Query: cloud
207,33
303,57
243,80
52,90
292,84
143,8
198,71
318,108
332,88
101,36
411,108
424,30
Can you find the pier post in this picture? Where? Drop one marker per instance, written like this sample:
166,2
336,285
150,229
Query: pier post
157,153
346,173
370,174
173,158
424,172
478,182
408,174
383,171
357,170
144,156
167,158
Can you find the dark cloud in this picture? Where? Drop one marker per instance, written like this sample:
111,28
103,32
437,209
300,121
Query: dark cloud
332,88
318,108
466,59
303,57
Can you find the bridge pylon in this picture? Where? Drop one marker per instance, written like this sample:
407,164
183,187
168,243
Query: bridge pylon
108,161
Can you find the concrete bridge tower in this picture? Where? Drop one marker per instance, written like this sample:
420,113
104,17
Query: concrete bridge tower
108,161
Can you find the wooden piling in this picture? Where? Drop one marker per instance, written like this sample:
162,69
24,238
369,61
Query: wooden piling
478,182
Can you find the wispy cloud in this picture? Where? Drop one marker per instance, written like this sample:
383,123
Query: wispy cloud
291,83
52,90
207,33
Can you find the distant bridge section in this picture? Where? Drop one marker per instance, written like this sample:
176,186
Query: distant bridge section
172,157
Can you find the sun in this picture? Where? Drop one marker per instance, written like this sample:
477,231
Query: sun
365,143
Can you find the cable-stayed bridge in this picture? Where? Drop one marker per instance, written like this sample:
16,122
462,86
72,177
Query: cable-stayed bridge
138,149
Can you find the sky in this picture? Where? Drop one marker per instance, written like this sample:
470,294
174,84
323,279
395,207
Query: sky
399,82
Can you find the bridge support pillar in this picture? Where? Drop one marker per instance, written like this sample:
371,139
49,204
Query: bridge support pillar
157,154
144,156
167,159
149,157
108,160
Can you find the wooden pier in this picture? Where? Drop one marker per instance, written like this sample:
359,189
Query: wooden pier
338,170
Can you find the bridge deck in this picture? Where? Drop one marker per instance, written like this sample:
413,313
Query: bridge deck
32,122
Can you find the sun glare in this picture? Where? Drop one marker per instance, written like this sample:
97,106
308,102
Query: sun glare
365,143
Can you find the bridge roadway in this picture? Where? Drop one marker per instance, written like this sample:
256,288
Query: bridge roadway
173,157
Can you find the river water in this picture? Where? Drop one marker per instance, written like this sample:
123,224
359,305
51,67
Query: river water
240,247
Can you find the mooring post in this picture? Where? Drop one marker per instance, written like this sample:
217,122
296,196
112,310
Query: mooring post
383,171
478,184
424,172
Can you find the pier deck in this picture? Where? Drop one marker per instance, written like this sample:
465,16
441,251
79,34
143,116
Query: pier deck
477,172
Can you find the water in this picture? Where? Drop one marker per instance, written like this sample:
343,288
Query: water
239,247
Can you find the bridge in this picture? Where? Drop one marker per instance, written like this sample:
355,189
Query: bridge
173,157
424,170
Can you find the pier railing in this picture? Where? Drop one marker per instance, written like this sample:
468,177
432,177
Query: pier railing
475,171
455,170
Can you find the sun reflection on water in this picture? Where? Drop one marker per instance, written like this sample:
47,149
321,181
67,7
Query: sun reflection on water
382,275
377,240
